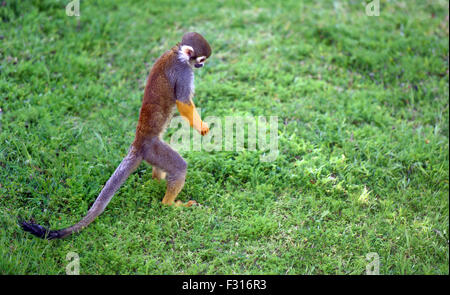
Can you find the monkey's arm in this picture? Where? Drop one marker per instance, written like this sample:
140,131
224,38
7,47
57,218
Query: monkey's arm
188,111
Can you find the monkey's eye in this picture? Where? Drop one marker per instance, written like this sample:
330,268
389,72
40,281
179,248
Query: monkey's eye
201,59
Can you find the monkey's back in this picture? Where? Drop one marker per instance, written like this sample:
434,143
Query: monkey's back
158,101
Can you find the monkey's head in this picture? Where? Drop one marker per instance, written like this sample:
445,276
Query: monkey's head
194,49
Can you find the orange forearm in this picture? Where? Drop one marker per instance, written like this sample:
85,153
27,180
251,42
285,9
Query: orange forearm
188,111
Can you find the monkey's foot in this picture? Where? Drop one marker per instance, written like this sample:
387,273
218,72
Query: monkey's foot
158,175
178,203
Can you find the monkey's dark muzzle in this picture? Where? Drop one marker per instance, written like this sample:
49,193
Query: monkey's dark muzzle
198,65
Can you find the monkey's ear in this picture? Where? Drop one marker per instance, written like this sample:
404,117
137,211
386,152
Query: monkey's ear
187,50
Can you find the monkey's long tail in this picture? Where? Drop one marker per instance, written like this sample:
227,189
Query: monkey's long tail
128,165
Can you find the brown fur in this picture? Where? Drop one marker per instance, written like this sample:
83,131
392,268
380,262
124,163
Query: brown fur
158,101
196,41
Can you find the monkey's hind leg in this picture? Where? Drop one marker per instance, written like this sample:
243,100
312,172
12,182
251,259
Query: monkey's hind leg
174,186
161,155
158,174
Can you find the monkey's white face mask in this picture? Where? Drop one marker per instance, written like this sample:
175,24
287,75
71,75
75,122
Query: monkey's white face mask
186,54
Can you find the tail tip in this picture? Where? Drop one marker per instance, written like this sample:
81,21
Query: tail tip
39,231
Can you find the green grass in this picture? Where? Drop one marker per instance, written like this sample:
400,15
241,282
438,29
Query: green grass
363,109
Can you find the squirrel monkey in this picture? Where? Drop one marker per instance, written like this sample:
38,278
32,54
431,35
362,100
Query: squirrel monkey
170,83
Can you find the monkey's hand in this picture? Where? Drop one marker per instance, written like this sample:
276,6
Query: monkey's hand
204,129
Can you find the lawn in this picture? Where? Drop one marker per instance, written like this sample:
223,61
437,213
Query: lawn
363,128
